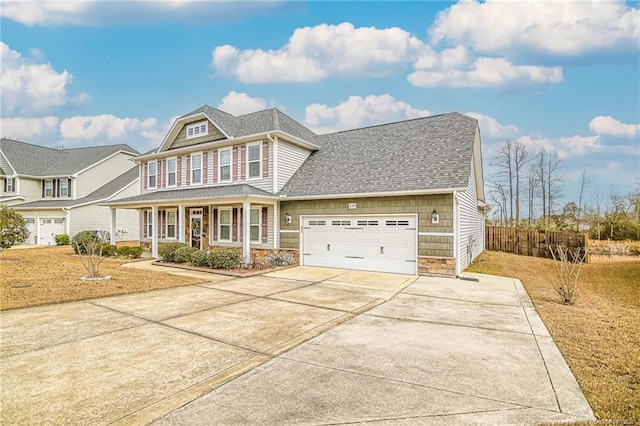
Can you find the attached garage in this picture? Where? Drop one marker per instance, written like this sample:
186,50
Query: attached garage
49,228
363,242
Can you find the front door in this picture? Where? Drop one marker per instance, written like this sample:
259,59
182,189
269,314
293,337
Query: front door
196,228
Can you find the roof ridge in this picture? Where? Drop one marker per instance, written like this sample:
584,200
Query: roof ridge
401,121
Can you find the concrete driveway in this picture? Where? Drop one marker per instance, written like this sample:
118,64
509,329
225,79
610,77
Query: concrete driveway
298,346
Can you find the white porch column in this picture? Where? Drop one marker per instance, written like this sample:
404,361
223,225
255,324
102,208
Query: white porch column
67,223
246,234
113,226
154,230
182,222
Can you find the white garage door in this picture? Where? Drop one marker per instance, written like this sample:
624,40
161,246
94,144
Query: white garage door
49,228
369,243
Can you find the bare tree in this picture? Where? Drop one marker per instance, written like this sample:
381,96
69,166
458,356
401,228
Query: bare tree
504,177
583,183
554,181
542,180
520,160
531,192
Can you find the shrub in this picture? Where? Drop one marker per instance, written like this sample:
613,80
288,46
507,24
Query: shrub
62,240
108,250
183,254
225,258
13,228
129,252
166,251
81,239
124,251
201,258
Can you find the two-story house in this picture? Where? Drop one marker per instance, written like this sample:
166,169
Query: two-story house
404,197
60,191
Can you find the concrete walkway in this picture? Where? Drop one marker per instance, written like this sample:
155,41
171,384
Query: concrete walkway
298,346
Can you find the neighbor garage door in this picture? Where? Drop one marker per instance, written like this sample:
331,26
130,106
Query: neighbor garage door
49,228
369,243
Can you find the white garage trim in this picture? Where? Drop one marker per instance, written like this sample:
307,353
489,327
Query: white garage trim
370,242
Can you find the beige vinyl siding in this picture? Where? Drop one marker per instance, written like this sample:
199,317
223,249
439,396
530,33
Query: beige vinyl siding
181,140
266,183
290,158
423,205
95,217
471,236
31,189
97,176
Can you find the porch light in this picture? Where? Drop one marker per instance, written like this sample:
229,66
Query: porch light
435,217
287,218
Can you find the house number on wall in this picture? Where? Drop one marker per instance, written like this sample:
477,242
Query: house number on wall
352,206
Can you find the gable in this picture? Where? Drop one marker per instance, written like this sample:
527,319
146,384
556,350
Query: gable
184,138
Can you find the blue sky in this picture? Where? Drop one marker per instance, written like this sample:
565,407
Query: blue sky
559,75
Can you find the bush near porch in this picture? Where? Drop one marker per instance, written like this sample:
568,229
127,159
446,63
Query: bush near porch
223,257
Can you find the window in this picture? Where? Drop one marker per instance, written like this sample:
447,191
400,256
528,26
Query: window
254,160
224,225
48,188
152,172
147,223
10,185
198,129
254,221
64,188
196,168
225,165
171,172
171,224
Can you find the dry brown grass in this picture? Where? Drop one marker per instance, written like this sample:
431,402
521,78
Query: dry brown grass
599,336
42,276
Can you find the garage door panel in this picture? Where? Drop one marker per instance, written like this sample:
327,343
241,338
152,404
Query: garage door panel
376,243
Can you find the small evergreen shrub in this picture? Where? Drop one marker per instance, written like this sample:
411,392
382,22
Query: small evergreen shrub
62,240
225,258
124,251
108,250
201,258
183,254
135,252
81,239
166,251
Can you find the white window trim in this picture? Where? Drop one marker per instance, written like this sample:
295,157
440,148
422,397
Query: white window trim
175,172
192,127
219,171
259,225
13,184
230,210
149,175
45,189
259,145
67,188
192,169
175,224
149,224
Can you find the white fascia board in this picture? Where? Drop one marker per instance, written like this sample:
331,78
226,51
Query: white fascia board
10,165
224,142
189,202
181,120
15,197
374,194
102,161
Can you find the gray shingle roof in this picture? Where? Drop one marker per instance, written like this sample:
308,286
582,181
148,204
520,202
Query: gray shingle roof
428,153
34,160
104,192
201,193
267,120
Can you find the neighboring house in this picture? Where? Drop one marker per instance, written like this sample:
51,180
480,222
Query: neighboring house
404,197
59,191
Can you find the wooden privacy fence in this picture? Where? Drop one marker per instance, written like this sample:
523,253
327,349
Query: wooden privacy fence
531,242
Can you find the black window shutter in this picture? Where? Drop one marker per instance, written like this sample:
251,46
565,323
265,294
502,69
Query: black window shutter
43,184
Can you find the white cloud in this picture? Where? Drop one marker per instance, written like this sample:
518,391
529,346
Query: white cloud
314,53
358,112
566,147
558,28
612,127
107,128
490,127
84,12
483,72
28,87
240,103
28,129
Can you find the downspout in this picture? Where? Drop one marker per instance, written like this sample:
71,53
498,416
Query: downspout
275,162
276,205
67,226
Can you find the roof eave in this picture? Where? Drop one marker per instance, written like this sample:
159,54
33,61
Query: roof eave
284,197
170,135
